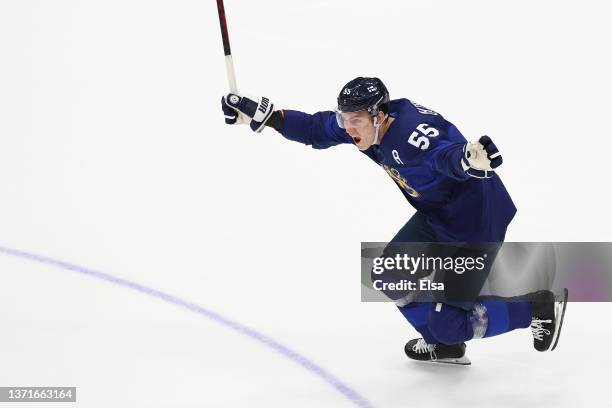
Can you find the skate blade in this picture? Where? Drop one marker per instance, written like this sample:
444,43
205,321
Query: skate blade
560,314
456,361
464,361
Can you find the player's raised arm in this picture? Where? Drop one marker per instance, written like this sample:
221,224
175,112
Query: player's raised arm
463,160
319,130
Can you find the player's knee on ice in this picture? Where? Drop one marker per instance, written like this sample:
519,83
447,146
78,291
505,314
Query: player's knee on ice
449,324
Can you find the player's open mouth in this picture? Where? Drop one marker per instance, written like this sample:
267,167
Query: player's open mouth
357,139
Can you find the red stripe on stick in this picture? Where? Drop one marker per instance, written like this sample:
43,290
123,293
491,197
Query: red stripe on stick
223,25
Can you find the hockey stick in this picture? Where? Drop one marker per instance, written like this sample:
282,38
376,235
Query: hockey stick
229,64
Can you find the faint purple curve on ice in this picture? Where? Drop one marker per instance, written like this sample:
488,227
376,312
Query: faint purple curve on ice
296,357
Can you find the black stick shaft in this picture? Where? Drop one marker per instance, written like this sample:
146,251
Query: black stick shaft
223,24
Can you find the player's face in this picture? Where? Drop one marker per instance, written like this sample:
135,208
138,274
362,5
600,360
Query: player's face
360,127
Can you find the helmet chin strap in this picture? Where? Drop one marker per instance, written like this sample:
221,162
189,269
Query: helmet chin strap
377,128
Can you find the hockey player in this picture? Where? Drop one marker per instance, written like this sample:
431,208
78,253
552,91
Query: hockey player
453,187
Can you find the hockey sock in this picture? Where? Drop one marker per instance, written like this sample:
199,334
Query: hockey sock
506,316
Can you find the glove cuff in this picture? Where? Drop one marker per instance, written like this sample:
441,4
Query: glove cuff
264,110
468,167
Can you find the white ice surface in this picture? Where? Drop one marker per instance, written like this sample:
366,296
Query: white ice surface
114,156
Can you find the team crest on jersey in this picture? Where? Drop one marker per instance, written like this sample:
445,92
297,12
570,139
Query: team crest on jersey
395,175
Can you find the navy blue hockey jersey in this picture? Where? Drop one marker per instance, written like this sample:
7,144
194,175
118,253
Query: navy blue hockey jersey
421,151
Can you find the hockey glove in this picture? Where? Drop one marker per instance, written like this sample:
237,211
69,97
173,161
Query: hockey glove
258,111
481,158
232,116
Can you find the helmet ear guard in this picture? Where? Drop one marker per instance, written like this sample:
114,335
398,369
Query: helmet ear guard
380,106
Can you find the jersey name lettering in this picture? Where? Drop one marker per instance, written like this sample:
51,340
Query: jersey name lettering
423,110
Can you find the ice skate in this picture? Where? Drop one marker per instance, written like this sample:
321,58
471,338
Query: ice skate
418,349
547,318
